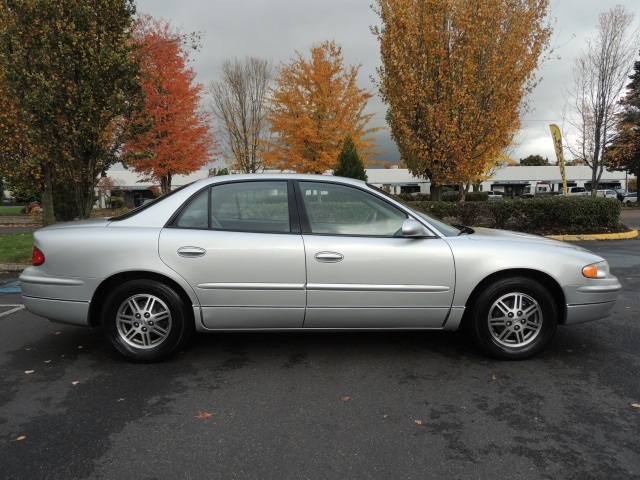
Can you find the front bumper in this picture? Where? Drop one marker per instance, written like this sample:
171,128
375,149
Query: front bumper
592,301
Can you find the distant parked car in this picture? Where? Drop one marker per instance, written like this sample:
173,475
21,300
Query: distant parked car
631,197
621,192
576,192
494,195
606,193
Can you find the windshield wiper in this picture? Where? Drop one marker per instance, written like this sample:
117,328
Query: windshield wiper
464,229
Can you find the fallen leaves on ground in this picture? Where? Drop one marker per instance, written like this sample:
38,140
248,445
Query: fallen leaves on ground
20,438
204,415
635,405
345,399
418,422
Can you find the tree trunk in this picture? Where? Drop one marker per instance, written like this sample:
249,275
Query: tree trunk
48,217
436,192
165,184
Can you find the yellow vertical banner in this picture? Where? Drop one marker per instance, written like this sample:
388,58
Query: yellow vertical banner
557,143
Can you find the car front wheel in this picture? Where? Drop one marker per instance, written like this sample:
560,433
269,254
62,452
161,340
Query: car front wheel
513,318
146,320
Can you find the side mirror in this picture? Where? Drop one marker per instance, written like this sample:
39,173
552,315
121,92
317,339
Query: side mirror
413,228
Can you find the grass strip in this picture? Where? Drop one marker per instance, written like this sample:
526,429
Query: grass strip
15,210
16,248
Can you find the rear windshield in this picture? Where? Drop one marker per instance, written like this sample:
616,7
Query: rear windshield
146,205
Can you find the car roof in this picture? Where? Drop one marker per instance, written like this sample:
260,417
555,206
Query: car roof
279,176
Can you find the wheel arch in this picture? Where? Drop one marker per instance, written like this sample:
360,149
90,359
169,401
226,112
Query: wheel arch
544,279
99,296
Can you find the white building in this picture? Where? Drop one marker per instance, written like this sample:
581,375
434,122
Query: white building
511,181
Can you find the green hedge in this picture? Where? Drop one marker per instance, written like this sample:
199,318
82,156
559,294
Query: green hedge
540,215
333,212
448,196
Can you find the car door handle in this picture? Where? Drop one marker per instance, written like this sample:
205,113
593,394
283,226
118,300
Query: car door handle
328,257
191,252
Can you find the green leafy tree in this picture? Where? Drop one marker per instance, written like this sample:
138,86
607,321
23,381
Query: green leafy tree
534,161
624,153
216,172
350,164
69,85
23,192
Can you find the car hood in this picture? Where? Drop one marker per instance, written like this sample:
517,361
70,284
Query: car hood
482,233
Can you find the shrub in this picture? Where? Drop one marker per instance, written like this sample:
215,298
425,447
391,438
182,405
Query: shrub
501,212
477,197
415,197
450,196
569,215
539,215
116,202
470,212
437,209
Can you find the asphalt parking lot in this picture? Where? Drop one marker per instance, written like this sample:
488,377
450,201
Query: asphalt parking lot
350,405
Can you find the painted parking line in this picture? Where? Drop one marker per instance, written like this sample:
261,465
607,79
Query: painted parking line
13,287
14,309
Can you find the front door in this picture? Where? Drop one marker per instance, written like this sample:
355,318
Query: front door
361,273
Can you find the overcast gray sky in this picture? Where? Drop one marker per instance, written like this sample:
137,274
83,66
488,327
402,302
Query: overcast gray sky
275,29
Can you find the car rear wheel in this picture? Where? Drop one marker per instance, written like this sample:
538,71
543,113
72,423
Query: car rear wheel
513,318
146,320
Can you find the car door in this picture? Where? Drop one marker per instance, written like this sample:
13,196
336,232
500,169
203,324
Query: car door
361,272
239,246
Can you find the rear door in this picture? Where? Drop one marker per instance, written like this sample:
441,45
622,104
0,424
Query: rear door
239,246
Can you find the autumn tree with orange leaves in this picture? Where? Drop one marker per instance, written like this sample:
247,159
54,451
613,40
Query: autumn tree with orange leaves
178,140
316,103
455,74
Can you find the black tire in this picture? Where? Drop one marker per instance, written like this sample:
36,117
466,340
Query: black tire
513,318
146,320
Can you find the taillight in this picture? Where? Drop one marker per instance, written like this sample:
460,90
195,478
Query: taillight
37,257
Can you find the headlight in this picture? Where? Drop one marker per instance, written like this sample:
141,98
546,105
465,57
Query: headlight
596,270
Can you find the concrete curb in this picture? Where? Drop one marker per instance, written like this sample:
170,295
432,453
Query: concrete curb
13,267
596,236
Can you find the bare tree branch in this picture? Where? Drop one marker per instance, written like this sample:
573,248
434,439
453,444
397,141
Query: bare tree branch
238,101
599,77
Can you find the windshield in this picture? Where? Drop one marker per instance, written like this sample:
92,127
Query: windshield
146,205
443,227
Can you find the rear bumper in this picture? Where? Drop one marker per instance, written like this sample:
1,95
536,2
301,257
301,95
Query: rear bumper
59,299
61,311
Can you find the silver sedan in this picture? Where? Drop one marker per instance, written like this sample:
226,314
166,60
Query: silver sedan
305,252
